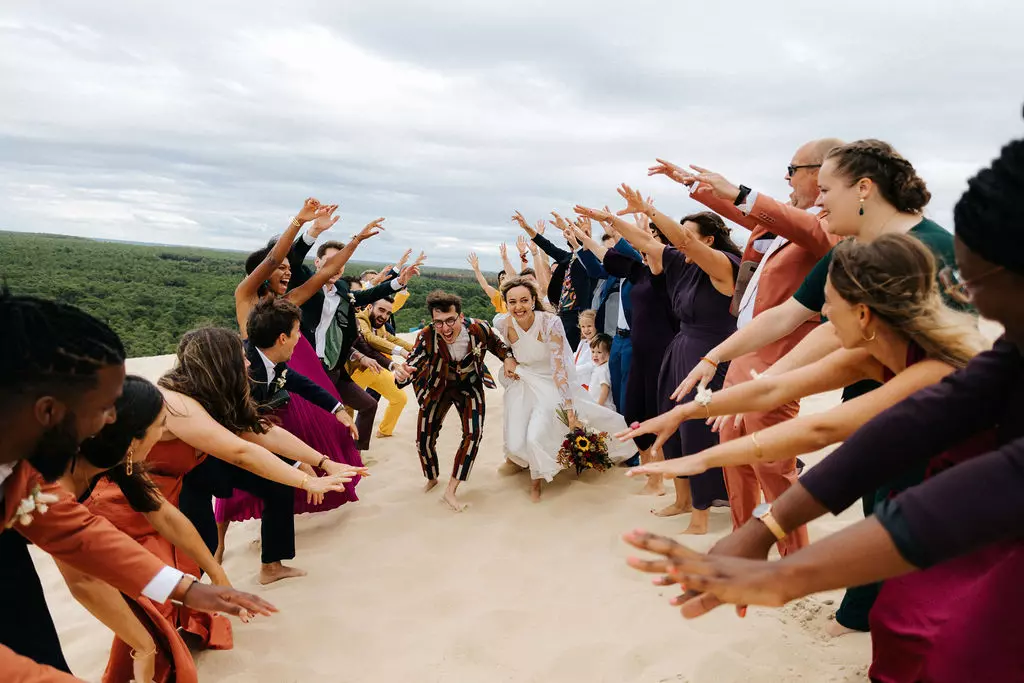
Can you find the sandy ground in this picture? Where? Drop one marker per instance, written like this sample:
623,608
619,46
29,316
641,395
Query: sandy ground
402,589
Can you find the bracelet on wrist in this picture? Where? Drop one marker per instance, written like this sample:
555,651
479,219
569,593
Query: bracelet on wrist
320,465
135,654
709,361
296,223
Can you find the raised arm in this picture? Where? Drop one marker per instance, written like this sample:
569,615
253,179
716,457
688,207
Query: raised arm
474,263
249,286
808,433
705,193
506,264
335,263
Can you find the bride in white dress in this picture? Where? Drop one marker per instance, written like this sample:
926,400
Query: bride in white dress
546,381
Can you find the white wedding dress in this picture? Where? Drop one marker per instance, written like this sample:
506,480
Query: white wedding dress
547,381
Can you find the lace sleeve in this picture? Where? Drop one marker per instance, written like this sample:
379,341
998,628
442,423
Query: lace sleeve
561,370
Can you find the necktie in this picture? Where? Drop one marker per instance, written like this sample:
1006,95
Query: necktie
332,345
567,300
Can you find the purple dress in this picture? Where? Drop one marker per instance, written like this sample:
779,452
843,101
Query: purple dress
318,429
651,338
704,322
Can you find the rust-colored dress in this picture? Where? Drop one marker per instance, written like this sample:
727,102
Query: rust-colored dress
169,461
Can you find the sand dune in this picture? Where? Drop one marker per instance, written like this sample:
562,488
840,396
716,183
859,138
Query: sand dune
402,589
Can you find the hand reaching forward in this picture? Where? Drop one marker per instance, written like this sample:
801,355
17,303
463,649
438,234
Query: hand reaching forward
634,201
420,260
346,419
208,598
407,274
663,427
474,262
570,236
402,261
540,229
604,216
339,468
670,170
560,222
722,187
325,220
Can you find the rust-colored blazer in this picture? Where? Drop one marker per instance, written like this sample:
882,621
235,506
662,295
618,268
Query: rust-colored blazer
784,271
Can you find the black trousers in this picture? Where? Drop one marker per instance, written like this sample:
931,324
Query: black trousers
356,398
571,323
26,626
216,478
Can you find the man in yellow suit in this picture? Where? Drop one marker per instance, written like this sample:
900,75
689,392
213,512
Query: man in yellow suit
372,321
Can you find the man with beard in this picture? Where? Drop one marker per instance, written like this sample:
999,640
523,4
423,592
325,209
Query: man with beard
448,370
372,322
60,374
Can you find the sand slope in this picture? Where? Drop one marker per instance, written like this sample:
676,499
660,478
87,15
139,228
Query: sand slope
402,589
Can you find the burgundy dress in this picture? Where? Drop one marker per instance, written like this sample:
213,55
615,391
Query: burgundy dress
704,322
318,429
651,337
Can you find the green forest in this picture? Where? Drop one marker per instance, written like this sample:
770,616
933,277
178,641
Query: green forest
152,294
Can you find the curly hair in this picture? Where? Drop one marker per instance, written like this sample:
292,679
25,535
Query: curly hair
513,282
894,276
895,177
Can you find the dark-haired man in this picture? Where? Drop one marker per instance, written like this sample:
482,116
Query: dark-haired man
329,323
448,370
372,322
60,374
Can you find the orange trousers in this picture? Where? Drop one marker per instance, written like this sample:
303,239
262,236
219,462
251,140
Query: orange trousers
745,483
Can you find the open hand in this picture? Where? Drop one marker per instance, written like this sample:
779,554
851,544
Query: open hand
540,227
344,418
308,210
604,216
701,375
474,262
325,219
663,427
208,598
522,245
521,221
722,187
407,274
374,227
634,201
672,171
405,259
370,364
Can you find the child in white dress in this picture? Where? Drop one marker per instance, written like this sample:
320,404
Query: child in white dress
583,359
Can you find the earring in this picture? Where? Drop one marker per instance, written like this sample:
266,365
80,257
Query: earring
867,339
861,212
129,465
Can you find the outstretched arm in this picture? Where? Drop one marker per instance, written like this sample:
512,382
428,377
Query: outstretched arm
474,263
335,263
249,286
173,525
820,342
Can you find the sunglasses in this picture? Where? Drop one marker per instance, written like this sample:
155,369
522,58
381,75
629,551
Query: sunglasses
958,288
792,169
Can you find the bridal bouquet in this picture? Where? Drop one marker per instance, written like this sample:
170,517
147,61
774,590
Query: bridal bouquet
584,448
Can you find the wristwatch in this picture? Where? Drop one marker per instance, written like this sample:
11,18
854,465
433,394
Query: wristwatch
742,196
763,512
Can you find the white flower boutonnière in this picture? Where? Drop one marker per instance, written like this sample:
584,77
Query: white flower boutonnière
37,501
280,380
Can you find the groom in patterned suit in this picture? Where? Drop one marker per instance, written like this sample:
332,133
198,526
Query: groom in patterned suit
448,370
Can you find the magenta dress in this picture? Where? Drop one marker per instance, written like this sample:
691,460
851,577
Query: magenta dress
317,428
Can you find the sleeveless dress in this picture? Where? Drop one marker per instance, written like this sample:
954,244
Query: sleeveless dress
547,381
314,426
169,462
704,323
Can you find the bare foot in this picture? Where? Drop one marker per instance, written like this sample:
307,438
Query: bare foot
453,502
269,573
655,486
382,435
698,523
430,484
672,510
535,490
834,629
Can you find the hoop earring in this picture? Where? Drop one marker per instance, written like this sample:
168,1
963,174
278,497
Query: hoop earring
861,212
868,339
129,465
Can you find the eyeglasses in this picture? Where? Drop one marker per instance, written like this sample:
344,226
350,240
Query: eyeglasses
447,322
792,169
958,288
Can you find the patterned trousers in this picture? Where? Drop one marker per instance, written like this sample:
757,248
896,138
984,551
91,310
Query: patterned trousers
468,400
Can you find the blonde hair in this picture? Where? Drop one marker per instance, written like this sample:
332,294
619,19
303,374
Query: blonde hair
894,276
589,314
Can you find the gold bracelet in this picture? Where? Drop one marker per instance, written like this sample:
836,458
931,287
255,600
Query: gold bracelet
296,223
758,453
712,363
135,654
707,407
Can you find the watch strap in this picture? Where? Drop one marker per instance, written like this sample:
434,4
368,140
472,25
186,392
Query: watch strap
768,519
742,196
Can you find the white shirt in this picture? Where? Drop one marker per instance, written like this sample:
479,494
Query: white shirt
598,378
331,302
622,324
460,347
269,365
584,361
157,590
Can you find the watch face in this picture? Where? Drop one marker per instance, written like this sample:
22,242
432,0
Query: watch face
762,509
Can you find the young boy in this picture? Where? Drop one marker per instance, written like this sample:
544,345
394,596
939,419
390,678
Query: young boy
583,359
600,385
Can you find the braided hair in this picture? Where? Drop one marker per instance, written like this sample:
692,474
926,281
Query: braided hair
49,346
895,177
989,215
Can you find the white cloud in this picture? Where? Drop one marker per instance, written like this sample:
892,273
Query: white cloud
208,123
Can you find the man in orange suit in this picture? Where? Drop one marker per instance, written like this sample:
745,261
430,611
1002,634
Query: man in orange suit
786,240
60,374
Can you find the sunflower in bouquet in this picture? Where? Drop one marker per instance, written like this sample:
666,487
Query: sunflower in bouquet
584,448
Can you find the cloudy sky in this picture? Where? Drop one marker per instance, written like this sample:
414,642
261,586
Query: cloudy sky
207,123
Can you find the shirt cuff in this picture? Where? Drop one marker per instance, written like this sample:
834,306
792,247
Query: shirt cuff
398,349
693,188
163,584
337,407
396,285
296,464
308,239
748,204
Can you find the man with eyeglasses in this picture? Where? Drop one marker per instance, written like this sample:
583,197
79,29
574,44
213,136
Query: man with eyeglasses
786,241
448,370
